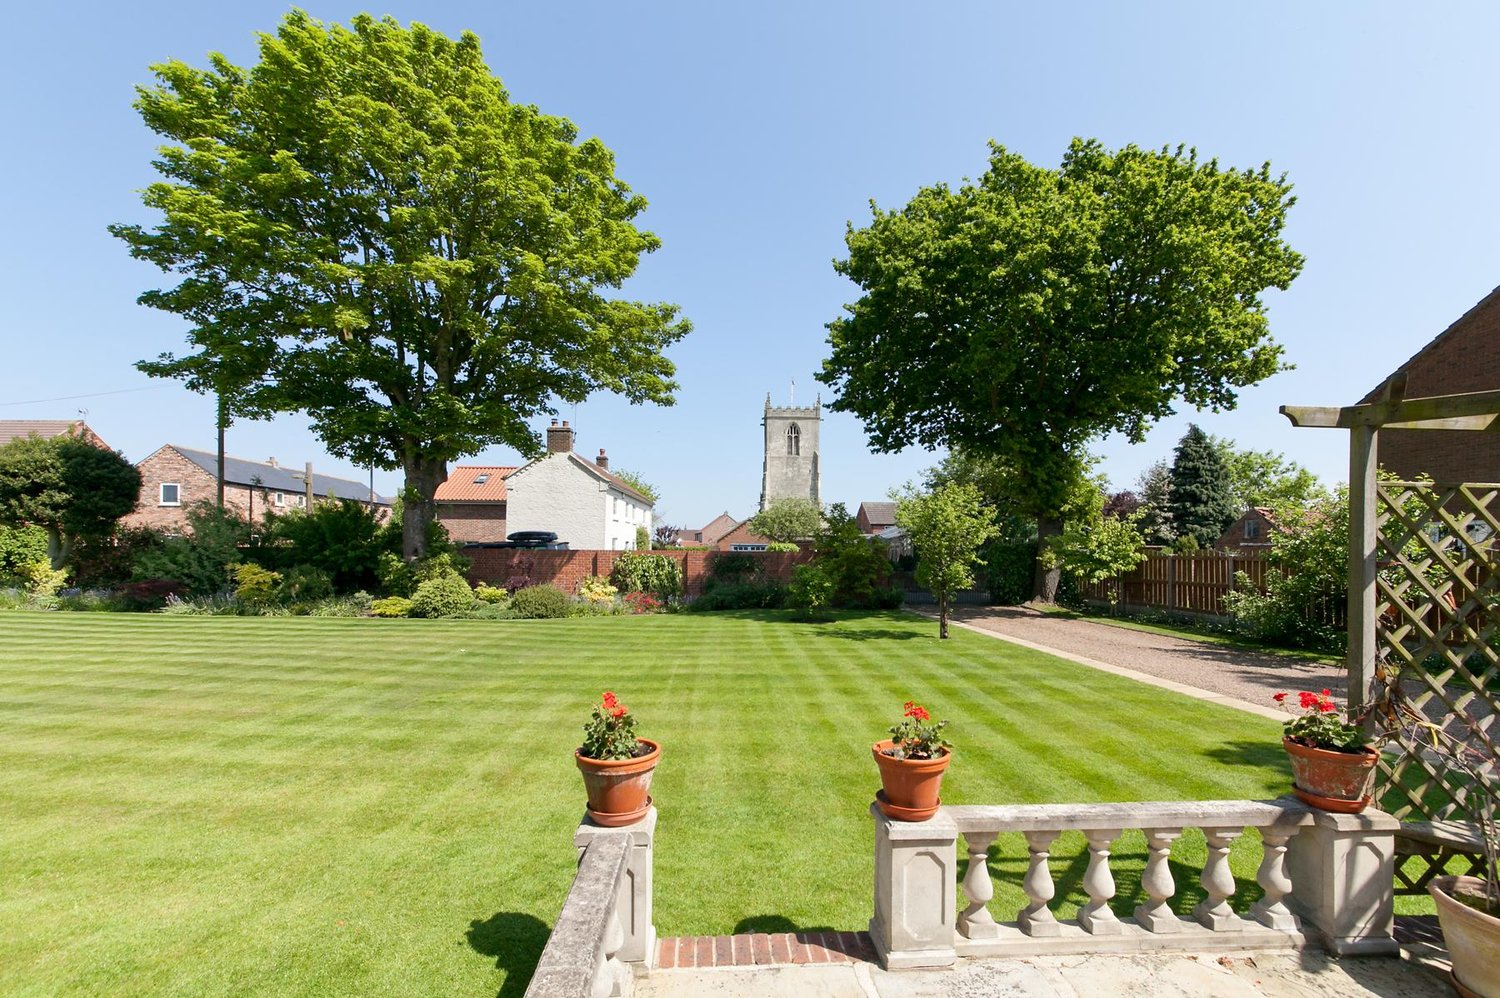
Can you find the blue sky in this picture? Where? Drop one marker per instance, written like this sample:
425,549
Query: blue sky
757,132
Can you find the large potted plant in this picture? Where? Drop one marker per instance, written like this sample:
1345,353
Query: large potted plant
616,765
1333,763
912,762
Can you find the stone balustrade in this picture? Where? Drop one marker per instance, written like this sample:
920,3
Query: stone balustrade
1325,872
604,931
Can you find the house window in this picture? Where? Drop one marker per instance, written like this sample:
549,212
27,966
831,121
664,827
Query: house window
1252,529
481,479
171,494
747,547
793,440
281,498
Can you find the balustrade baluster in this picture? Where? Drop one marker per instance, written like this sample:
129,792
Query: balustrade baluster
1270,910
1037,919
609,979
1218,881
1096,916
976,922
1157,882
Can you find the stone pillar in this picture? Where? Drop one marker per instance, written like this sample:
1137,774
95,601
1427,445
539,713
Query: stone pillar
916,866
634,904
1342,868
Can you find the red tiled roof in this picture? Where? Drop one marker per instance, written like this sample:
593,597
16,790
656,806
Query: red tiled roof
15,429
462,484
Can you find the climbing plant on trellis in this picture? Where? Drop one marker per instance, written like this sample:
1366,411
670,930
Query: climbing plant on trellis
1438,623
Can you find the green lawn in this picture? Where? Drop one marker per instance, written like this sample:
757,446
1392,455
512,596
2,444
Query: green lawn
201,805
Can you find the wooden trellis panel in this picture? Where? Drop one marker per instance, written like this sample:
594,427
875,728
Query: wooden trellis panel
1438,619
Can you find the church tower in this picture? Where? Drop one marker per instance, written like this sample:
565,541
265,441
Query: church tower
791,462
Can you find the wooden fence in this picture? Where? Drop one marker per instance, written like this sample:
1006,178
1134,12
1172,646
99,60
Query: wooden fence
1181,583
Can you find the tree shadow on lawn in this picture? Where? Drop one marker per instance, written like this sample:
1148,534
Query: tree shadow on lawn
1264,754
516,941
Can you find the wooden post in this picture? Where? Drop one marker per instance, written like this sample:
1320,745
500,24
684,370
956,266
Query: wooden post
309,487
1172,583
1362,540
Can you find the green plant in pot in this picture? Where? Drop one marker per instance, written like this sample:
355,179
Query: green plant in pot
616,764
912,762
1333,762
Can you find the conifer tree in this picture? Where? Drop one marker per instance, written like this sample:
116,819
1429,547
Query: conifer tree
1201,501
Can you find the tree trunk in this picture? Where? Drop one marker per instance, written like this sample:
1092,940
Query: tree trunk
943,616
58,548
1044,581
423,476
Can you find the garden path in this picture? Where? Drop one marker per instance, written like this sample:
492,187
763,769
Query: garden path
1238,677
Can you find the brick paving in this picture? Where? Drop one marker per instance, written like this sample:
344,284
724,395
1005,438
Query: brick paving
762,949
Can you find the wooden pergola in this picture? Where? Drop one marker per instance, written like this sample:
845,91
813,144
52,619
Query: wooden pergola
1474,411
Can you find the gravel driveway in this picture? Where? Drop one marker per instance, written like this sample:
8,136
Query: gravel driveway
1252,676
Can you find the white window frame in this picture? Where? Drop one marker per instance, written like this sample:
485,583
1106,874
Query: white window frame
161,494
280,499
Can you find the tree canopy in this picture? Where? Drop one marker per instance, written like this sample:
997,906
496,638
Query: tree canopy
1265,478
66,486
794,518
1024,314
368,230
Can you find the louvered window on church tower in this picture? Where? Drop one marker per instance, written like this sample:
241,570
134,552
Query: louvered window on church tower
793,439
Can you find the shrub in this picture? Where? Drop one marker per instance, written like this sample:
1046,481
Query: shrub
218,605
486,593
541,602
767,595
657,574
642,603
254,586
356,605
1009,570
811,589
785,547
19,547
201,560
401,578
42,580
391,606
87,600
110,561
147,594
443,596
733,567
342,537
856,565
642,539
307,583
597,590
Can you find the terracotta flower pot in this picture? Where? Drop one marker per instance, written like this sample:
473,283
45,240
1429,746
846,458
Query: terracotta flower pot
1473,937
909,787
618,788
1333,781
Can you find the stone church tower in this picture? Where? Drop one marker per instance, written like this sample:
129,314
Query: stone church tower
791,462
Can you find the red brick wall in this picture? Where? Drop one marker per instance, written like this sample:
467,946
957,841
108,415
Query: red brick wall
473,522
195,485
1466,358
566,569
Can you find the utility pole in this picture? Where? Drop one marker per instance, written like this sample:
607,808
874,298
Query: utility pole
223,421
309,484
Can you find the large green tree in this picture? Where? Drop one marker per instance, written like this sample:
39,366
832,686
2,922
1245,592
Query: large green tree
793,518
368,230
1265,477
67,487
1026,313
1202,504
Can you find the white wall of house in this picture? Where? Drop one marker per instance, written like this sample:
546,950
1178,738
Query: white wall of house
560,494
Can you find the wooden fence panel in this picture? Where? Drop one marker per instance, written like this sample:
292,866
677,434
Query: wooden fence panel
1181,583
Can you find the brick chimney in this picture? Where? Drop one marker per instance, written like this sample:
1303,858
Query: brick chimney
559,438
602,460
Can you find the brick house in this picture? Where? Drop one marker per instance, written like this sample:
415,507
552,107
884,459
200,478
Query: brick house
471,503
577,499
709,534
1465,357
874,517
16,429
173,478
740,539
1251,532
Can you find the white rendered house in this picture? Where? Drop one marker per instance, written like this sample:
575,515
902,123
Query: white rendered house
575,498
